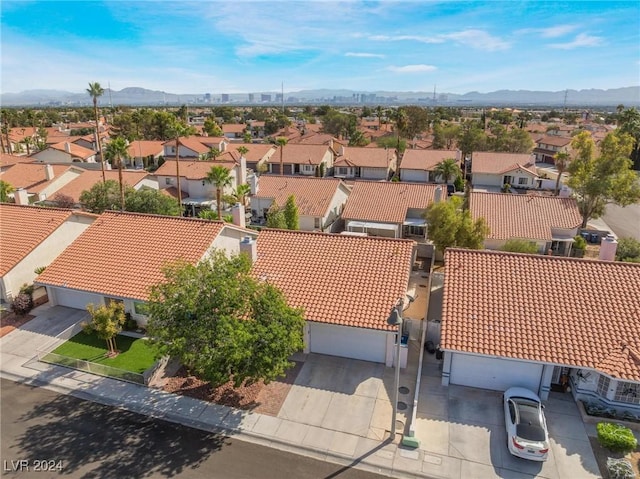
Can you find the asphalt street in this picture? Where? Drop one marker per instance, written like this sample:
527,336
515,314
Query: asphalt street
45,434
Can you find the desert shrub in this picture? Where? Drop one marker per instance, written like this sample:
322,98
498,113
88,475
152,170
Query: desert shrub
615,437
620,469
22,304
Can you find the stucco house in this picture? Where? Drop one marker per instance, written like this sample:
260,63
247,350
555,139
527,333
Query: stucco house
494,170
31,237
365,163
65,152
299,159
319,200
389,209
540,322
550,145
419,165
550,222
145,152
114,259
190,147
256,157
36,182
347,286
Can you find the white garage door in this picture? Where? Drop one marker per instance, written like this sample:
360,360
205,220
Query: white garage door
493,373
76,299
355,343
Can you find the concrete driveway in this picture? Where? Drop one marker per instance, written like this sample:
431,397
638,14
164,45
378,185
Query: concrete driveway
462,434
342,395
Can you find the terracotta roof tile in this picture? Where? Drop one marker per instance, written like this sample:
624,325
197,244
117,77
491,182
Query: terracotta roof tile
386,202
22,228
338,279
496,163
89,178
76,151
234,128
122,254
524,216
257,151
425,160
144,148
8,160
300,154
191,170
191,143
569,311
366,157
313,195
554,140
32,176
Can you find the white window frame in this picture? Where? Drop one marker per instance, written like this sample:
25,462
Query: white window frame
168,181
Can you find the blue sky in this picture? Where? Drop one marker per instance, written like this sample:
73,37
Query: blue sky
241,46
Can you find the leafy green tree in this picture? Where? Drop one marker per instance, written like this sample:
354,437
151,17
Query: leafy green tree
60,200
246,137
628,250
281,142
338,124
5,190
518,141
417,120
401,125
117,151
520,246
223,323
629,122
148,200
471,137
290,212
391,142
357,138
607,178
561,160
95,91
101,197
448,169
107,322
220,177
276,218
451,226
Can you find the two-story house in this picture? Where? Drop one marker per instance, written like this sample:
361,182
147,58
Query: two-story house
365,163
65,152
550,145
307,160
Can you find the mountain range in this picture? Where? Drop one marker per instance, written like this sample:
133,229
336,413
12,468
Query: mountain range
628,96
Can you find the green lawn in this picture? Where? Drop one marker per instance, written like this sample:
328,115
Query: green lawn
135,354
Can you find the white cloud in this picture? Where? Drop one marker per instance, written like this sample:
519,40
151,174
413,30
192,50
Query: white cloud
400,38
363,55
549,32
581,40
477,39
412,68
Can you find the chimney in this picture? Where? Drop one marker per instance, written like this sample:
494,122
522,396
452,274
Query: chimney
341,150
564,192
67,147
48,172
21,196
242,177
437,197
222,146
608,248
237,211
249,246
253,183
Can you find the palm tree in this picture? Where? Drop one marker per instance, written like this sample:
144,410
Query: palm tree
213,154
28,141
177,130
95,91
117,150
561,160
379,113
401,126
243,150
447,169
220,177
281,142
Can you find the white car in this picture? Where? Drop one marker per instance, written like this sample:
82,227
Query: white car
527,434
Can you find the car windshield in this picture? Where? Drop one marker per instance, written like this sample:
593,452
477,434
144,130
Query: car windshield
529,426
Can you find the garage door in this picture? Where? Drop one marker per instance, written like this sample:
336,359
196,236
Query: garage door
493,373
76,299
355,343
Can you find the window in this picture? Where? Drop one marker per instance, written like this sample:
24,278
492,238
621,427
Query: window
168,181
523,181
308,168
628,393
342,171
316,223
603,385
141,308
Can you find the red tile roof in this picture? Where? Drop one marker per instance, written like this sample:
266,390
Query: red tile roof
257,151
234,128
300,154
386,202
32,176
496,163
313,195
144,148
8,160
193,144
191,170
75,151
337,279
89,178
568,311
23,228
554,140
524,216
425,160
366,157
116,257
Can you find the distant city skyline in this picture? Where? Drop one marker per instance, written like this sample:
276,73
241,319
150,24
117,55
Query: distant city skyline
243,47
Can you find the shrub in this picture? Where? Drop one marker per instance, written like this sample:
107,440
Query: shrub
579,242
615,437
27,289
22,304
620,469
